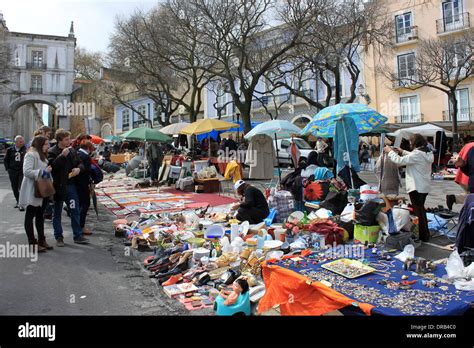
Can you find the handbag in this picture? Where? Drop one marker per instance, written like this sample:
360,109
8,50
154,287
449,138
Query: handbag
44,188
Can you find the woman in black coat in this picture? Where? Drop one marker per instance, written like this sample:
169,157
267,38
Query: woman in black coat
83,182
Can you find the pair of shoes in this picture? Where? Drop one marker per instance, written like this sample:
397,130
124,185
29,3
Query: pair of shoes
81,240
60,242
45,245
33,243
86,231
450,201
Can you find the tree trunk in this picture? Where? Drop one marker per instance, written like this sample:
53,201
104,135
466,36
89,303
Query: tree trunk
245,115
454,105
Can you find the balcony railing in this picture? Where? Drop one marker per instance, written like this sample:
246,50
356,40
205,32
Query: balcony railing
406,34
412,118
453,23
36,90
36,66
464,114
404,82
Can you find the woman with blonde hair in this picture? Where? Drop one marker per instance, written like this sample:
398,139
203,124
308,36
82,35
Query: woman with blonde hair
35,166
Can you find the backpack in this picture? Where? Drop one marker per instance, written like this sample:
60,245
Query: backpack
96,173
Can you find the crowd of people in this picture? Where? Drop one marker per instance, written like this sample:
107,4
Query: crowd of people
70,168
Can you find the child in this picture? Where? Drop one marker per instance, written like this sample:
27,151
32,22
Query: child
240,286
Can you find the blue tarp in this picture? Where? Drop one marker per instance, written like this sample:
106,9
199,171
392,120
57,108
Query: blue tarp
214,134
396,272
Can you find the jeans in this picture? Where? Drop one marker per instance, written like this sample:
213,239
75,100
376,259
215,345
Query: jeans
84,202
418,202
16,177
72,201
35,213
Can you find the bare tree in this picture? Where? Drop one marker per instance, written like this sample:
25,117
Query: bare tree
160,50
442,64
340,31
236,35
87,64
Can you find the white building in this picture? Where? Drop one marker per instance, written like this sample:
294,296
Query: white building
42,72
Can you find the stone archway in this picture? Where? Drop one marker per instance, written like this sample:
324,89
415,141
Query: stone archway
106,130
301,120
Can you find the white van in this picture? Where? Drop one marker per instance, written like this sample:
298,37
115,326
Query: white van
283,147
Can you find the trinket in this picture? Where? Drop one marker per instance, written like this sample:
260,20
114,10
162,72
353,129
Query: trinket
404,277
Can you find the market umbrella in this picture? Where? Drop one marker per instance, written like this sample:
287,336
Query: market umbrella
113,138
207,125
363,120
277,129
96,139
174,128
146,134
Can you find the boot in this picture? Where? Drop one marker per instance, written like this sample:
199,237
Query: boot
42,243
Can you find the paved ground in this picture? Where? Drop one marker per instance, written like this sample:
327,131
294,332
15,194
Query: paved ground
101,279
96,279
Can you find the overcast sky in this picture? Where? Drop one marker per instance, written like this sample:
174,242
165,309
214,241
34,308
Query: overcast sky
93,19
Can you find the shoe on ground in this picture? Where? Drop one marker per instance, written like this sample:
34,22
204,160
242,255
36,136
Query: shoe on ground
81,240
60,242
45,245
450,200
41,249
16,206
21,208
86,231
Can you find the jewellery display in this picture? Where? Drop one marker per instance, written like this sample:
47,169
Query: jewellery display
408,302
348,268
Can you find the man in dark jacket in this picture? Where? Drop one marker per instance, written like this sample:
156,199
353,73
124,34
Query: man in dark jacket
254,207
66,166
155,159
14,166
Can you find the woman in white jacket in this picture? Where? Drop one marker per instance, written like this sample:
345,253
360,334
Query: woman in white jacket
35,166
418,177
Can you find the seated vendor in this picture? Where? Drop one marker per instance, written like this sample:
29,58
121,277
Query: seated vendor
254,207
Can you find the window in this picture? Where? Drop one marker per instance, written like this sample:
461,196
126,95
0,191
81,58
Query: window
221,95
142,117
462,96
410,111
329,76
285,144
36,84
452,14
460,54
406,68
125,119
37,59
156,112
403,26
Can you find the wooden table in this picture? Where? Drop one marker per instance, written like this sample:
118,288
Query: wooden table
209,185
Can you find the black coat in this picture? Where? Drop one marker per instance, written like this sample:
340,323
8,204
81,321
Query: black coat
254,199
61,167
84,178
13,160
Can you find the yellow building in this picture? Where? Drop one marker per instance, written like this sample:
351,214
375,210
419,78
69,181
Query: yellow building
415,20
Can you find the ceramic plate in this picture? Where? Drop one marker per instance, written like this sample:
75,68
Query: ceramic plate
272,244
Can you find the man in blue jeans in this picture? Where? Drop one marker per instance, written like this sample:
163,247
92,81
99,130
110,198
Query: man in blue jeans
66,166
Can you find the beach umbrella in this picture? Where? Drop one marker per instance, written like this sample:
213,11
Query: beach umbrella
324,123
96,139
358,118
146,134
207,125
174,128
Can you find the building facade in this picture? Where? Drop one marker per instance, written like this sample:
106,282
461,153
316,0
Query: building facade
42,72
416,20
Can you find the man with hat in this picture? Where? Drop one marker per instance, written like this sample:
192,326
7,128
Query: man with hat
254,207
